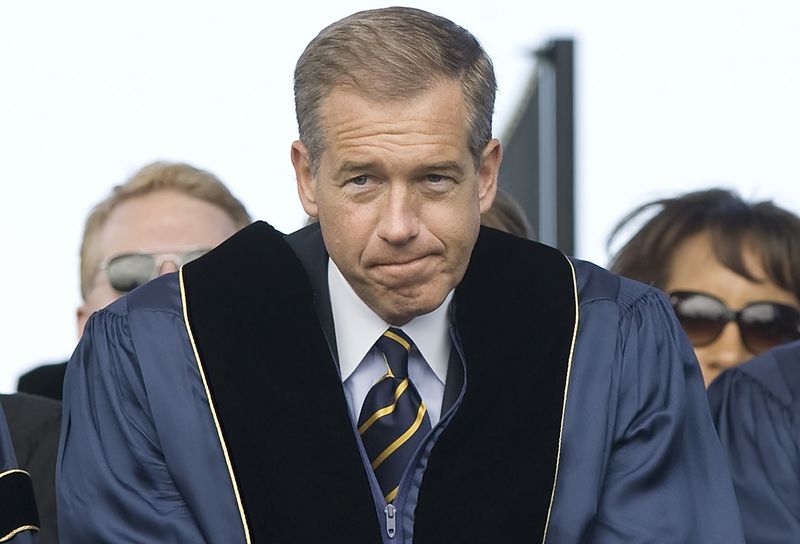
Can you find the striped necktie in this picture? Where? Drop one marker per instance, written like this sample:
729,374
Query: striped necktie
393,420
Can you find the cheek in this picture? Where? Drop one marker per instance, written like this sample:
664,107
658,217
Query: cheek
701,355
706,357
458,241
346,237
100,297
457,230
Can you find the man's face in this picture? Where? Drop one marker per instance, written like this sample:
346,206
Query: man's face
398,196
162,222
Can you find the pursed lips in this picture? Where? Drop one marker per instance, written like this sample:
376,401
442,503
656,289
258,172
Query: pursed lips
400,261
405,269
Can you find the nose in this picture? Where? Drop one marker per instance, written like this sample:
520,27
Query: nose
725,352
167,266
399,221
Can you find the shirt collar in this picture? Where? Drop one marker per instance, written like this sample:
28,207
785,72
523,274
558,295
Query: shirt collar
358,328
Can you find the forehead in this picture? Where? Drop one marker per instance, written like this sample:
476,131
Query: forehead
431,122
163,221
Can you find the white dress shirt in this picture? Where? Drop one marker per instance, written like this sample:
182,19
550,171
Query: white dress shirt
357,330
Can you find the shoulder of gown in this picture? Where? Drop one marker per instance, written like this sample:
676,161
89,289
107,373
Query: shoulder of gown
756,408
640,461
138,436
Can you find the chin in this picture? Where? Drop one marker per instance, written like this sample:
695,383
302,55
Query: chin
404,309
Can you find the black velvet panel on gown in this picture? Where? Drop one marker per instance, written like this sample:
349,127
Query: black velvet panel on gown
277,393
491,474
285,421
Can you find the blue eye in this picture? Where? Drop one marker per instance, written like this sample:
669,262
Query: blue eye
435,178
359,180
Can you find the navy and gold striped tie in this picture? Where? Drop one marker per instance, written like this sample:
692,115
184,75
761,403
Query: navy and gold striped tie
393,419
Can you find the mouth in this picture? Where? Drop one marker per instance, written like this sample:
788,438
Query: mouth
402,262
405,270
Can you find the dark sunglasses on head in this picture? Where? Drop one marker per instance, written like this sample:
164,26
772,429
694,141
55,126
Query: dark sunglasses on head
128,271
762,325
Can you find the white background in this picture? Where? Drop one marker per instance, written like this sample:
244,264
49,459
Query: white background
671,96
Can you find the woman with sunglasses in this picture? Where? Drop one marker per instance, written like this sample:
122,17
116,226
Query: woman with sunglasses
730,268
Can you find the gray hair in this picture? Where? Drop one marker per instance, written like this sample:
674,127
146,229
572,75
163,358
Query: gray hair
393,53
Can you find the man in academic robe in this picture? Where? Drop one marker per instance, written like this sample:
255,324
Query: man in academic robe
394,373
756,408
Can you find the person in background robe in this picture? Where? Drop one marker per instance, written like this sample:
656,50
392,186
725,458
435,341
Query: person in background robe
756,408
19,519
164,215
34,424
395,372
144,228
730,268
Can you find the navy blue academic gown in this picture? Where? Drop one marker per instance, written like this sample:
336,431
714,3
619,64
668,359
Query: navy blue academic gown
144,459
18,517
756,408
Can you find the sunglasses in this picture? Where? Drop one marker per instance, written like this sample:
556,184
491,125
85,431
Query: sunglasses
128,271
762,325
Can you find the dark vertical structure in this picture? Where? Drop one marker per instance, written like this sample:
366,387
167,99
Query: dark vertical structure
539,160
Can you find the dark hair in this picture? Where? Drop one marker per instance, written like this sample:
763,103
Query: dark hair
507,215
770,232
392,54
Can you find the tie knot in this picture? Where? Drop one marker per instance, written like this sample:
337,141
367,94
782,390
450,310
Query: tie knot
395,346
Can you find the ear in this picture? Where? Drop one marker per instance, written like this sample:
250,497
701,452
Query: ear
488,173
306,185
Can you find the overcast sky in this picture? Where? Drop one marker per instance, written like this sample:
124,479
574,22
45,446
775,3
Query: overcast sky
671,96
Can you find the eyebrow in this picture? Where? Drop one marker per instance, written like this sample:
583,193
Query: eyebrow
446,166
355,167
358,167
